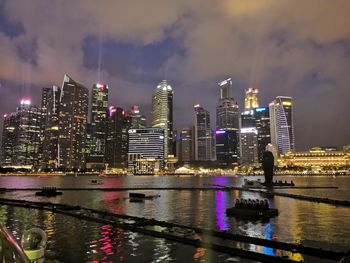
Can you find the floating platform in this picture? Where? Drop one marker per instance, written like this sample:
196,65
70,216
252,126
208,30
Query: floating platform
48,192
139,197
252,213
95,181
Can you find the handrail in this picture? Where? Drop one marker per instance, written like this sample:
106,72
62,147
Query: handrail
10,251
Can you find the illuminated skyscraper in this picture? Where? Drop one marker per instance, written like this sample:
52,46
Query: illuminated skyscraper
251,99
185,145
249,146
227,126
162,113
282,126
22,134
138,121
203,135
227,115
98,119
226,148
73,112
262,124
118,124
9,133
50,107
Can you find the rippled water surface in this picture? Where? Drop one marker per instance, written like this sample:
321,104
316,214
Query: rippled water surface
74,240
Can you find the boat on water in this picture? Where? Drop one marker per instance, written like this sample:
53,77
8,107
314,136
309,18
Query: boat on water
252,209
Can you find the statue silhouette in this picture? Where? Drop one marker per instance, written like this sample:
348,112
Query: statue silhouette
268,165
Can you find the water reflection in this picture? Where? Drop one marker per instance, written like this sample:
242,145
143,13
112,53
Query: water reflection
220,206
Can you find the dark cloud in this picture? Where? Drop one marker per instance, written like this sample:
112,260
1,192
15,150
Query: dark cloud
282,48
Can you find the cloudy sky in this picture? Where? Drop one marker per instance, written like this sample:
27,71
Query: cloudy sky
292,48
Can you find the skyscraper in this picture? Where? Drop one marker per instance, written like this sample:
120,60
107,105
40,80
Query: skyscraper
227,126
203,135
138,121
98,119
226,148
227,115
9,134
262,124
251,99
282,126
249,146
22,133
185,147
162,113
50,107
118,124
73,114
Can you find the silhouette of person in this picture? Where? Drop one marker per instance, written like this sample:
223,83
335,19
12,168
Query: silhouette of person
268,165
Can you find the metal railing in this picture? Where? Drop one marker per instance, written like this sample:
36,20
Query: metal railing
10,250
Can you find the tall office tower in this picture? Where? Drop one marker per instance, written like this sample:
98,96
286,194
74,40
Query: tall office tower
248,146
227,115
138,121
247,119
50,107
146,144
98,119
282,126
22,132
118,124
185,145
226,148
162,113
203,135
9,133
73,114
227,122
248,126
262,124
251,99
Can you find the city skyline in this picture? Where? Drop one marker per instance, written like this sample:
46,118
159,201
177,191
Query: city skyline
304,56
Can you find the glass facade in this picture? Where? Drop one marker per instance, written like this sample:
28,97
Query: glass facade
162,113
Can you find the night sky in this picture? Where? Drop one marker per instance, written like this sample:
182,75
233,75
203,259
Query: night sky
292,48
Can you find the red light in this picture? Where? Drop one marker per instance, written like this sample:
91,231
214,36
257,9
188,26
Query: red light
100,86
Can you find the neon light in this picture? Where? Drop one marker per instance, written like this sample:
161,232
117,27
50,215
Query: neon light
112,110
196,106
260,109
220,132
100,86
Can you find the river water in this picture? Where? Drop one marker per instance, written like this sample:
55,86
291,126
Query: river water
75,240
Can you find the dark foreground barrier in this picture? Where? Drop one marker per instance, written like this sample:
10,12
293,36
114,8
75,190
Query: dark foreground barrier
183,234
